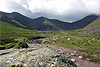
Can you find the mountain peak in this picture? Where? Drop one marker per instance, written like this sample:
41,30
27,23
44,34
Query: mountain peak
42,23
42,18
15,13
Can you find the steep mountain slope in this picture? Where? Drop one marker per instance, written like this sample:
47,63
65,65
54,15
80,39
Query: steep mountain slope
43,23
47,25
11,26
93,28
6,19
84,22
18,17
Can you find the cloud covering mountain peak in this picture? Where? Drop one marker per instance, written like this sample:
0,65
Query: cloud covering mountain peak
66,10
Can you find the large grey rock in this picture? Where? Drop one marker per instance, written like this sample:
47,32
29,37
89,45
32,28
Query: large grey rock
44,57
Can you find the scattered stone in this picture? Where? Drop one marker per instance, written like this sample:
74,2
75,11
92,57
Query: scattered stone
98,41
57,55
62,52
11,58
40,63
47,46
66,33
47,50
52,65
88,59
75,52
44,41
56,59
56,50
72,54
93,39
25,65
53,42
8,61
69,39
80,57
73,60
95,55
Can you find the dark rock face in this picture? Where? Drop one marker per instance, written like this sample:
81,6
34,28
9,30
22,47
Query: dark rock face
31,57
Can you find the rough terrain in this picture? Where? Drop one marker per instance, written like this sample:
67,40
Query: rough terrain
75,56
34,57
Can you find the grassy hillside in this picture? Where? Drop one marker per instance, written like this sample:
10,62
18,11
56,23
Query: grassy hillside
92,29
47,26
94,24
9,28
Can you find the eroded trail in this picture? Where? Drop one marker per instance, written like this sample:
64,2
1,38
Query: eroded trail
75,56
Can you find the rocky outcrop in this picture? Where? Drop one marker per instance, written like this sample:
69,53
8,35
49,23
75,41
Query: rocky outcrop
32,57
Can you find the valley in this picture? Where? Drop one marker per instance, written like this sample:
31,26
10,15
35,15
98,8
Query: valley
80,38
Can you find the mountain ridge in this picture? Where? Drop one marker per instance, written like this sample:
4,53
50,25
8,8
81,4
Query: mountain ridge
51,24
6,19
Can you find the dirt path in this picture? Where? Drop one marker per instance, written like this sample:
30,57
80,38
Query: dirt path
72,54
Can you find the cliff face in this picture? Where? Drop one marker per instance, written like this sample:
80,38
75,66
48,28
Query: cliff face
31,57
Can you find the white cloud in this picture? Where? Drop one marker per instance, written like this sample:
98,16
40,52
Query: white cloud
66,10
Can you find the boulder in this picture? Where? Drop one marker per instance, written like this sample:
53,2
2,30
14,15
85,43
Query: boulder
69,39
72,54
30,57
73,60
80,57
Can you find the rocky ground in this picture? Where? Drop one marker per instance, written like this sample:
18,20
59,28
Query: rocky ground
73,55
34,57
39,55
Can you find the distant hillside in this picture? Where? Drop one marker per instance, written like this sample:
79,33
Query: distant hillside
6,19
93,28
43,23
84,22
7,25
18,17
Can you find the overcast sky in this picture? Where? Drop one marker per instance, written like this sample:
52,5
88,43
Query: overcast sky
65,10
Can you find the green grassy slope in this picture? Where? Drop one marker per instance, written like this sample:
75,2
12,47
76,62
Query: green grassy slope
9,28
19,24
94,24
92,29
